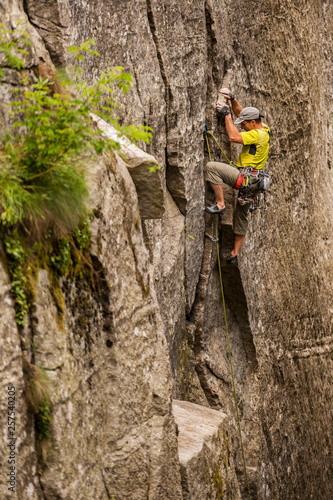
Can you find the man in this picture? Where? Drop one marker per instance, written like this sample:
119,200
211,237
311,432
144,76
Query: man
255,141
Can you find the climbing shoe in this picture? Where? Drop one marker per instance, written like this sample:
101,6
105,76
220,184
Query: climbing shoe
232,260
214,209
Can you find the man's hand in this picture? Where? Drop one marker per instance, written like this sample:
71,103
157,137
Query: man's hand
227,94
223,110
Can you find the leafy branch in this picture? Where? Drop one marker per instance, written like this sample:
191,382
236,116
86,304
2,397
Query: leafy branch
43,159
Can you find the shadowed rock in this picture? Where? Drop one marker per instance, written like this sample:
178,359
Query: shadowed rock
148,183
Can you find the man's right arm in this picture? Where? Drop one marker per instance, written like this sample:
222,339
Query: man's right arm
227,94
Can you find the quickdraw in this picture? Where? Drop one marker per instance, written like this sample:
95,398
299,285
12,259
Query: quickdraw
244,182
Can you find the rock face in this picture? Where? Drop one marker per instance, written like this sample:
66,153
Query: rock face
204,453
22,443
158,314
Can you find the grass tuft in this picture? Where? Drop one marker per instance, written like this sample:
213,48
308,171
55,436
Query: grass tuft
38,385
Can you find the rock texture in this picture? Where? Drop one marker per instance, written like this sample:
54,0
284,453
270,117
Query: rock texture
25,459
204,453
116,441
144,171
158,314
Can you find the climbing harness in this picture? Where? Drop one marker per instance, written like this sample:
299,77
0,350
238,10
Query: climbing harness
225,313
249,190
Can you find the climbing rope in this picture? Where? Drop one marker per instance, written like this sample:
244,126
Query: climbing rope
225,318
229,350
208,132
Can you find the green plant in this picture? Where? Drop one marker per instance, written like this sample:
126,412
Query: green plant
61,259
16,258
12,48
38,390
43,420
153,169
81,235
43,160
42,163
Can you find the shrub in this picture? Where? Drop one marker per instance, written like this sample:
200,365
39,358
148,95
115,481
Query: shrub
43,159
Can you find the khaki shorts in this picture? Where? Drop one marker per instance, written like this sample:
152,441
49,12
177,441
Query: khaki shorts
221,173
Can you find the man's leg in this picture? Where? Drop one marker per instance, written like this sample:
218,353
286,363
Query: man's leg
241,223
218,173
218,191
239,240
241,219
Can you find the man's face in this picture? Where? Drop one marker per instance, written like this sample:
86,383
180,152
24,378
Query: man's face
246,125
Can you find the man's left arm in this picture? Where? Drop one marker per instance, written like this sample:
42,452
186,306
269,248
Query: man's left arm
233,134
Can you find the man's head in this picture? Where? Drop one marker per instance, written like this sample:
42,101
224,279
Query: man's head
249,118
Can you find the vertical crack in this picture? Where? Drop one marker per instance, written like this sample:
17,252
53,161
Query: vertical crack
108,494
237,302
153,30
196,317
174,177
50,29
42,487
212,52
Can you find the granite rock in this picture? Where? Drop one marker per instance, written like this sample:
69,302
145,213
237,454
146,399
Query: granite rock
161,274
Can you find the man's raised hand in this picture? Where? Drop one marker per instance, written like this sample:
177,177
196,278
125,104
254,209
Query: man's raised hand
227,94
223,110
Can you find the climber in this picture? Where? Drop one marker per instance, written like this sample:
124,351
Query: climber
255,141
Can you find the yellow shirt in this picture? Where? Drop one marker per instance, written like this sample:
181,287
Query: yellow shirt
255,149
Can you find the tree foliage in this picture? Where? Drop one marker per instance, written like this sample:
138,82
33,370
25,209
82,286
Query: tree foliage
44,157
42,161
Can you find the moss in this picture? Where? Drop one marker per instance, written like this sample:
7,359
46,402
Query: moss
185,368
207,478
137,222
38,393
206,471
58,298
145,288
225,441
66,261
218,481
99,244
88,298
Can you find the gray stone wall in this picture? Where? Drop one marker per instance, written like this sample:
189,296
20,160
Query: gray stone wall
113,428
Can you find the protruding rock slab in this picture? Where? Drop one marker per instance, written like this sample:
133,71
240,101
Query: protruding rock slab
207,468
144,171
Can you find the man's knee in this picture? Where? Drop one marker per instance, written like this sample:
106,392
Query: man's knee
213,173
241,218
240,225
221,173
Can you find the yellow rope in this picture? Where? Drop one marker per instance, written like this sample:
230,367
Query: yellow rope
210,156
229,350
229,161
225,320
